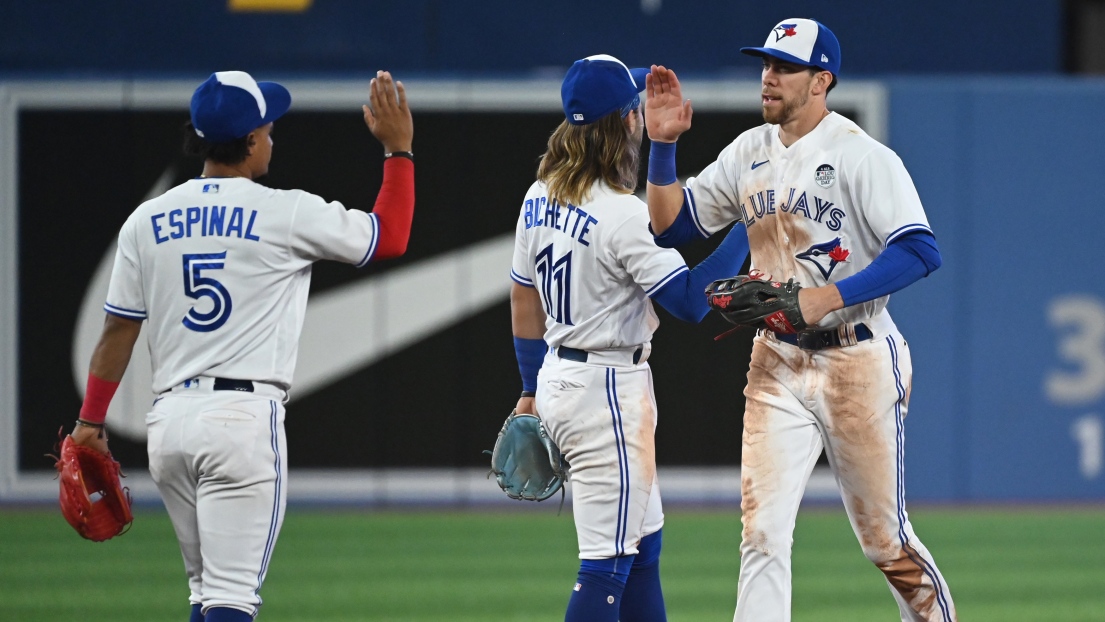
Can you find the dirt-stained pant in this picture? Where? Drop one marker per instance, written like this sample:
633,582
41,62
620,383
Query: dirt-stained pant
602,415
852,402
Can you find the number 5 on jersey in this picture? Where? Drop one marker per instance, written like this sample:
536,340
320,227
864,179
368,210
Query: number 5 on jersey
198,286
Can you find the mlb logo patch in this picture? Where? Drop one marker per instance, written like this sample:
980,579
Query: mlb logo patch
577,116
211,188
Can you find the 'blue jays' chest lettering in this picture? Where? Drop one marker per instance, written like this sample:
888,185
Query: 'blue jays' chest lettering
540,212
206,221
806,204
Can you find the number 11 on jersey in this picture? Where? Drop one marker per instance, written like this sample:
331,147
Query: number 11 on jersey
556,284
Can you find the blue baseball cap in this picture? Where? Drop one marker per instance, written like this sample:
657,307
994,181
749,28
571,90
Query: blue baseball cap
803,42
231,104
598,85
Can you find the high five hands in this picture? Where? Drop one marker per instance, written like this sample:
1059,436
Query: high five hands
387,115
667,115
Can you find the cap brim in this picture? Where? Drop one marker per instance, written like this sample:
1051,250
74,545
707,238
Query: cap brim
277,101
639,77
778,54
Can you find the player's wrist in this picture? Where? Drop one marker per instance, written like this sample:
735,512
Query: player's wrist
661,163
400,146
97,397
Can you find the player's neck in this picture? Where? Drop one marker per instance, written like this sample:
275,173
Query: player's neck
801,124
215,169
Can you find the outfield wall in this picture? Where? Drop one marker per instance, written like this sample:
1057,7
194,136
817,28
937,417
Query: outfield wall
406,368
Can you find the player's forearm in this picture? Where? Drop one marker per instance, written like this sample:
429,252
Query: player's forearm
664,203
527,318
112,353
394,207
527,314
109,362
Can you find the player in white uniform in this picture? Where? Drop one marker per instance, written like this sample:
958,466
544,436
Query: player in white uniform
585,271
220,267
830,207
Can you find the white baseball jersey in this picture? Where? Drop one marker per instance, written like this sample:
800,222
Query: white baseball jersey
594,267
216,264
818,211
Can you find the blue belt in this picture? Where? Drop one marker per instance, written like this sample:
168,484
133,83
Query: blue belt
821,339
580,356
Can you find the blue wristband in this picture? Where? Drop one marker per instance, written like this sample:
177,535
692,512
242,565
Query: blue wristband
661,164
530,354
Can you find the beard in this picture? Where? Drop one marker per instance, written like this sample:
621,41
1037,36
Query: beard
637,135
786,113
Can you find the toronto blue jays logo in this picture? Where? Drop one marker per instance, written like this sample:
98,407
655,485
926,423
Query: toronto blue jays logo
825,256
785,30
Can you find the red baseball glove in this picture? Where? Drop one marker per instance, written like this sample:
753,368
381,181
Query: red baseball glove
84,473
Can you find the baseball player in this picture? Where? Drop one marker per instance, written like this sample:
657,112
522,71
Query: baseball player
828,206
219,267
585,273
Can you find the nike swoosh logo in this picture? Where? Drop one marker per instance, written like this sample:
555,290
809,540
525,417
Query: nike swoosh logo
756,165
338,339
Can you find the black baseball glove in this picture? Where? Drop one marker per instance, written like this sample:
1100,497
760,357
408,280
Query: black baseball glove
755,303
527,463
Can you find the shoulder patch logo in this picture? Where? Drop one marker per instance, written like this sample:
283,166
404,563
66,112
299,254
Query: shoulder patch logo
825,176
825,256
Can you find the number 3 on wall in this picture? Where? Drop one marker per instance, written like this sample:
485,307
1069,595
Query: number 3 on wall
1082,346
198,286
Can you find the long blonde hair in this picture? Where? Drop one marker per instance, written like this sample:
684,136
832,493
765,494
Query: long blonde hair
580,155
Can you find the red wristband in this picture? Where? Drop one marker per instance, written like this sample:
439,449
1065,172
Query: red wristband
97,396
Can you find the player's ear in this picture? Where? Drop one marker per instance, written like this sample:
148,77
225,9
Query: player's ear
251,142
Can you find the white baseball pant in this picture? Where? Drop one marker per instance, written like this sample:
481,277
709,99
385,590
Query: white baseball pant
219,459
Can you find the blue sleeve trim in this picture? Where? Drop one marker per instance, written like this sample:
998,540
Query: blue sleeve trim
905,261
519,279
900,231
372,243
130,314
664,281
682,230
694,212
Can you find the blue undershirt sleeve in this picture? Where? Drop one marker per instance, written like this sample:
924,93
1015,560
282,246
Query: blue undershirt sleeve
684,296
902,263
681,231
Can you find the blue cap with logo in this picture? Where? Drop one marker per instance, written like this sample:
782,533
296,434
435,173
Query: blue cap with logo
804,42
598,85
231,104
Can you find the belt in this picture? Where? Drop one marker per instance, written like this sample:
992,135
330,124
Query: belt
229,384
218,384
821,339
581,356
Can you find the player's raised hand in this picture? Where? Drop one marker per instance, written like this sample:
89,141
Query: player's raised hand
666,114
387,115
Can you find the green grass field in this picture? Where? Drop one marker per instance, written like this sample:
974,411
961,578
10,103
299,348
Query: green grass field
1007,565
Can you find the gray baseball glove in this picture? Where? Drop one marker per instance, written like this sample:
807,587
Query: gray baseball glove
527,463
